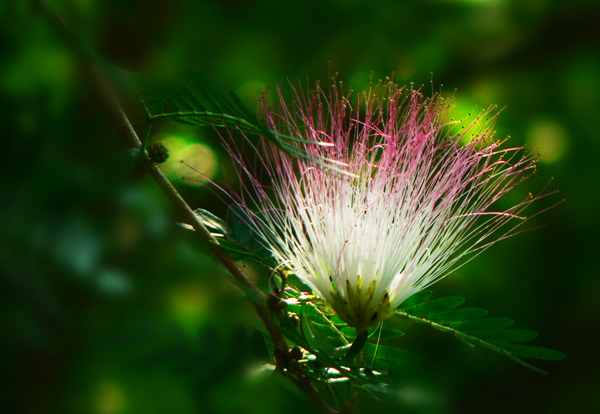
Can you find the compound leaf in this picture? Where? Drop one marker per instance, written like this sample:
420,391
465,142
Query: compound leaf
471,326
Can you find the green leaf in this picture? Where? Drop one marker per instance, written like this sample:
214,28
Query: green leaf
212,222
324,329
204,89
357,346
375,334
487,324
173,104
415,299
197,103
467,325
259,346
338,321
348,331
534,352
387,352
387,333
435,306
188,121
241,230
457,315
507,335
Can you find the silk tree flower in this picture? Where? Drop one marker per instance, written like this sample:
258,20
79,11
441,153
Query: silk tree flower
413,195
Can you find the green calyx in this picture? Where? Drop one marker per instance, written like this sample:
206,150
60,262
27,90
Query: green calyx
359,309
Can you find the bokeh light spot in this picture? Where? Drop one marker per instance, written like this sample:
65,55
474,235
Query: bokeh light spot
195,162
109,398
252,91
468,120
549,138
187,305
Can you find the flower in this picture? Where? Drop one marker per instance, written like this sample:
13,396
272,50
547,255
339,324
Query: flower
412,195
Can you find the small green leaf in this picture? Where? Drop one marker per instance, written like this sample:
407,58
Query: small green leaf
323,328
357,346
375,335
212,222
507,335
204,89
241,230
435,306
188,121
348,331
199,106
534,352
173,104
387,352
457,315
338,321
259,346
417,298
387,333
487,324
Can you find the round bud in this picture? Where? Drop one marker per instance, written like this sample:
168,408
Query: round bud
158,152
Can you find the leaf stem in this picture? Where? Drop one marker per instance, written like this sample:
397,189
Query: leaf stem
468,338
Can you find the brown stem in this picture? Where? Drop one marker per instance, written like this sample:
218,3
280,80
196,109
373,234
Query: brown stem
259,299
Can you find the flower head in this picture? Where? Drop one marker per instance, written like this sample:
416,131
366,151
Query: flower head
412,195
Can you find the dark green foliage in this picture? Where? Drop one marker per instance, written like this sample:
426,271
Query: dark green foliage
417,298
241,231
197,102
435,306
482,325
534,352
259,346
376,334
458,315
507,335
333,352
237,237
467,324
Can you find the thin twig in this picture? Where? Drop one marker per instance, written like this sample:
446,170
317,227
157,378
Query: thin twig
260,300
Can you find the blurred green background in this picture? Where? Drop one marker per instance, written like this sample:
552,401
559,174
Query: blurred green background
109,308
